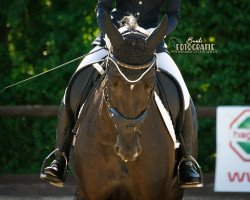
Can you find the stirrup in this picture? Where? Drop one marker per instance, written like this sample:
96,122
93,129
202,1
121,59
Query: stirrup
43,176
196,185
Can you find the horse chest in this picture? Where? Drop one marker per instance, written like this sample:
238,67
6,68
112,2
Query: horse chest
141,179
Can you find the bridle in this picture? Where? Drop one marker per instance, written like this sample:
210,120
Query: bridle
116,62
121,121
144,66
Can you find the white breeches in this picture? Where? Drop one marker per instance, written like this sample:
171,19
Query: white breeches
163,61
166,63
95,57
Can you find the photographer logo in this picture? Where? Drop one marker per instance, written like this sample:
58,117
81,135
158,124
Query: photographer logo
192,45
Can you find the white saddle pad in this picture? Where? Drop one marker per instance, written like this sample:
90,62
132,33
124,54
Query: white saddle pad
167,119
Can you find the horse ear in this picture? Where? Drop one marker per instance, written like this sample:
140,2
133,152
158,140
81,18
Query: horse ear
113,33
158,34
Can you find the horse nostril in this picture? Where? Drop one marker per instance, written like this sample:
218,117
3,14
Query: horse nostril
116,149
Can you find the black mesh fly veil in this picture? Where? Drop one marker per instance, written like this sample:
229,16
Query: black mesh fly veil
133,50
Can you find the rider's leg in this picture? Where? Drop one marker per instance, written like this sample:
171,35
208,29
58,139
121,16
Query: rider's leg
189,176
55,173
98,53
166,63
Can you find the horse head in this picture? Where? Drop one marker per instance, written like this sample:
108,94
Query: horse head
130,80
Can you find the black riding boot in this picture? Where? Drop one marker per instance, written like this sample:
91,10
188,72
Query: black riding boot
79,87
56,172
190,175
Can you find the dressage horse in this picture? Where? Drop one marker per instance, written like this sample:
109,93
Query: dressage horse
122,149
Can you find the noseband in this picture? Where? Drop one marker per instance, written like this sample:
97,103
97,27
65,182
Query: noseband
118,117
121,121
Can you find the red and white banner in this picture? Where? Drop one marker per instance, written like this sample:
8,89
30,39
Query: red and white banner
233,149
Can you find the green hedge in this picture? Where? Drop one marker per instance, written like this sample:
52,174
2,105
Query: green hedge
37,35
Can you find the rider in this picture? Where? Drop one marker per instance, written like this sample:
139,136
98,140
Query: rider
148,15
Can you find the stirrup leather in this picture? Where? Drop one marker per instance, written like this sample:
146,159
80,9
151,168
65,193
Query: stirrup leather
42,175
190,158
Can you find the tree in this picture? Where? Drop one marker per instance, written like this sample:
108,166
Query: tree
38,35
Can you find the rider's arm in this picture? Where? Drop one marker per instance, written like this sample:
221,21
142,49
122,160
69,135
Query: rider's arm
102,6
173,13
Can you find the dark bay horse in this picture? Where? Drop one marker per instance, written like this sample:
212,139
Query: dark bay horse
123,150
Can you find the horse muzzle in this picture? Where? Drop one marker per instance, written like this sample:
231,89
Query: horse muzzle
128,154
